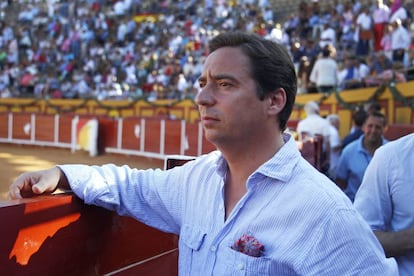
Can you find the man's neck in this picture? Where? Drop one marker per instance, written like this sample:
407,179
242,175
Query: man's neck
243,161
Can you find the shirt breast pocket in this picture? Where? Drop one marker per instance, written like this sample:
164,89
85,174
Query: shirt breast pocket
191,241
192,236
238,263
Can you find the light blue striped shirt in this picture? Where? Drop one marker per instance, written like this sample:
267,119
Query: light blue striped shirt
306,224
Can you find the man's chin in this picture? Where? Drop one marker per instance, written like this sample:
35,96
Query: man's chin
211,136
374,140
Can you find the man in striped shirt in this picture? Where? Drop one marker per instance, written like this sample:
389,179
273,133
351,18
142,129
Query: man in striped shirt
254,206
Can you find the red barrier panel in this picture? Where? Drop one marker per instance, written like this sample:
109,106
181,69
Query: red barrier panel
155,137
59,235
4,125
107,130
195,136
191,131
172,145
65,128
132,133
396,131
152,135
21,126
45,127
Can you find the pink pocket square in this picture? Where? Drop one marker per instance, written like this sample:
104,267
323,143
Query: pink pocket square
249,245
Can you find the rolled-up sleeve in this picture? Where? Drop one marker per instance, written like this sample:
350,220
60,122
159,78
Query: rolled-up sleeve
142,194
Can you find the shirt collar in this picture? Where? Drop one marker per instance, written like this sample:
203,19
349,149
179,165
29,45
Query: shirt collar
280,166
361,143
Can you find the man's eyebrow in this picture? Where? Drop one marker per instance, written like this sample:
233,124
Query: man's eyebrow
219,77
224,76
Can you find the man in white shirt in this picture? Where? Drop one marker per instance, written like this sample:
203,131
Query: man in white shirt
385,200
400,41
325,72
313,124
315,127
327,36
365,32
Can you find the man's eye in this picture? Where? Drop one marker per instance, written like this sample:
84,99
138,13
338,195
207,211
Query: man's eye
224,84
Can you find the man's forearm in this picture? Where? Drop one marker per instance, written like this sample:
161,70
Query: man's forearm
396,243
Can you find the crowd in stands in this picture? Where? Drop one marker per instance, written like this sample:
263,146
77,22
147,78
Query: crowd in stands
131,48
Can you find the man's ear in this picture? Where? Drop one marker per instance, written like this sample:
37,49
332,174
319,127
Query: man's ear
277,101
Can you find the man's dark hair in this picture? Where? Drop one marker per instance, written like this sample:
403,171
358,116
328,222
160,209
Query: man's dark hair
271,66
326,51
377,114
374,107
359,117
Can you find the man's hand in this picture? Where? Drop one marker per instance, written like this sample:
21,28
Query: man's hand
36,183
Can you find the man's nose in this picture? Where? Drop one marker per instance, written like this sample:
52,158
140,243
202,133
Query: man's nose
204,96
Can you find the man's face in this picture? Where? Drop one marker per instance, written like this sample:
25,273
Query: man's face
373,129
229,109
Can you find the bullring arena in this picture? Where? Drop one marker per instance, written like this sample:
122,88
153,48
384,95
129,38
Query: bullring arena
16,159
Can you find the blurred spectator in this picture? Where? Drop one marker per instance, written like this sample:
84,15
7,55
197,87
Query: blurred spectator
325,71
380,17
327,36
348,77
347,29
365,32
363,69
314,126
400,41
335,145
398,12
305,68
380,63
386,41
372,106
358,119
356,156
27,82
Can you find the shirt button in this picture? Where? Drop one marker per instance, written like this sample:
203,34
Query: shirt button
221,207
240,266
213,248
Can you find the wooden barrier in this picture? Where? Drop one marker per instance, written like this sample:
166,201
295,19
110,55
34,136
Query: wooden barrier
150,137
59,235
396,99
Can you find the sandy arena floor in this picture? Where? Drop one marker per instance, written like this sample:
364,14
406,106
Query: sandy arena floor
16,159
